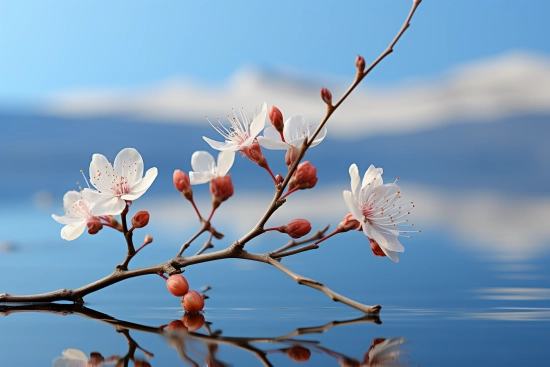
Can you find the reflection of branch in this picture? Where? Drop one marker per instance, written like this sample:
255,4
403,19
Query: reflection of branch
177,337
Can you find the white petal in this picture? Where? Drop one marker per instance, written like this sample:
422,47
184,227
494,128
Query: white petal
354,175
259,121
219,145
382,242
269,143
297,142
75,354
109,206
373,176
72,231
70,198
99,169
271,133
319,137
129,164
352,206
202,161
225,162
139,189
295,127
197,178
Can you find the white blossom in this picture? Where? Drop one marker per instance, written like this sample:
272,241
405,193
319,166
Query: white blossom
295,130
77,215
205,168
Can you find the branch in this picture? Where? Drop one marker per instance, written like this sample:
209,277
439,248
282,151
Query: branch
318,235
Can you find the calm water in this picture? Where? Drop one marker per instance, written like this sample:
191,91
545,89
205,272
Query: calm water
472,289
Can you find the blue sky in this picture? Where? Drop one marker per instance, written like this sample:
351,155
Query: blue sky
52,46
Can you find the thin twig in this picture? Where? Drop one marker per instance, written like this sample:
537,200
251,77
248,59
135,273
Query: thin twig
292,243
207,245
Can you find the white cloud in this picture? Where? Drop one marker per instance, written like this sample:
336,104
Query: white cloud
504,228
511,84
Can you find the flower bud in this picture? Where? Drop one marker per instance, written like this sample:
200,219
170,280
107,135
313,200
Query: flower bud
349,223
375,248
326,96
276,118
221,189
296,228
305,176
182,184
193,321
298,353
148,239
141,363
177,285
279,179
141,219
96,359
291,155
192,302
255,154
94,225
360,64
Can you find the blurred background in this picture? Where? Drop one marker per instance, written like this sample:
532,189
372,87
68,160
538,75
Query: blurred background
460,112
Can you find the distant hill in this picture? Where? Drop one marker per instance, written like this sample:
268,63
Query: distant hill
510,156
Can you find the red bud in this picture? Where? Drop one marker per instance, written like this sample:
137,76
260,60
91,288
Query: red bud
221,189
141,219
192,302
276,117
349,223
255,154
291,155
94,225
360,64
177,285
326,96
375,248
296,228
305,176
298,353
182,184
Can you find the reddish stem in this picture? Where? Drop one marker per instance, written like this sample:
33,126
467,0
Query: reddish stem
296,188
196,209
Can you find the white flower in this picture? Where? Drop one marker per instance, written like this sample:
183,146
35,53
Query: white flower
240,134
295,131
205,169
376,206
118,184
77,215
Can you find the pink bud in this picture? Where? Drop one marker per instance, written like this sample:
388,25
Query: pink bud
221,189
94,225
141,219
305,176
276,117
279,179
360,64
182,184
375,248
291,155
254,153
296,228
349,223
326,96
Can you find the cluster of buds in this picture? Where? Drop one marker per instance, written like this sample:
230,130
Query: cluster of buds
191,301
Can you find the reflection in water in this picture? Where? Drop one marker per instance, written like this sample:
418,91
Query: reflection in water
197,349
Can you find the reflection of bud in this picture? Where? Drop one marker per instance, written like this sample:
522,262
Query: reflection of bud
141,219
176,325
94,225
305,176
182,184
296,228
141,363
96,360
326,96
349,223
375,248
298,353
384,352
193,321
276,118
221,189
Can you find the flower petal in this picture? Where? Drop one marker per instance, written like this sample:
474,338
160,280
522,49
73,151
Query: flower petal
129,164
65,220
295,127
269,143
70,198
197,178
271,133
219,145
73,230
139,189
393,246
109,206
354,175
373,176
100,168
352,206
225,162
202,161
319,138
259,121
